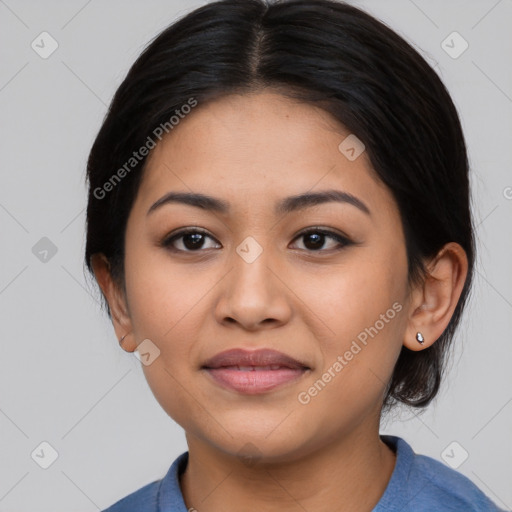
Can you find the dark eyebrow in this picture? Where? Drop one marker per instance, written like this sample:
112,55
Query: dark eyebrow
286,205
193,199
293,203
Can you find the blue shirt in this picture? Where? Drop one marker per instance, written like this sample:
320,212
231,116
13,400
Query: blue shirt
418,484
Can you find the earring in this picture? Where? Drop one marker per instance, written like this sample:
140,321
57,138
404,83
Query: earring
420,338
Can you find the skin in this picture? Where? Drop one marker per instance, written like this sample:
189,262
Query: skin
252,150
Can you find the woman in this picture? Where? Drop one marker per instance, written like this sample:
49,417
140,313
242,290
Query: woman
279,223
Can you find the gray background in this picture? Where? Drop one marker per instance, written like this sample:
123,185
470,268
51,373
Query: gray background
63,377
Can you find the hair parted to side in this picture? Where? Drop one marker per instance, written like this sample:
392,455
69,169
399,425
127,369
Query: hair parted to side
325,53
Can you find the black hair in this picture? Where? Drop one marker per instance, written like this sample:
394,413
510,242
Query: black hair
325,53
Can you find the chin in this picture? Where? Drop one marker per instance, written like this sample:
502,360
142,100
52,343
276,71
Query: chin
256,443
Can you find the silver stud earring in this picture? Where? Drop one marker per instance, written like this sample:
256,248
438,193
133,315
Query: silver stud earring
420,338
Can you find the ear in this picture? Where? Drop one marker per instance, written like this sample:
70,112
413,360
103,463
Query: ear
116,301
435,300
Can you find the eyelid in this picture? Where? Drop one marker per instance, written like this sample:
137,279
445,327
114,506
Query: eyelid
342,239
166,243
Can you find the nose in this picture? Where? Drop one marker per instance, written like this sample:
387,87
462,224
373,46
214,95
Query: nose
254,295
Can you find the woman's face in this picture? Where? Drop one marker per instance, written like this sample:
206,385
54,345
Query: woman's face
266,273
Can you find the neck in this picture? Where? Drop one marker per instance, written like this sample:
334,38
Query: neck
351,472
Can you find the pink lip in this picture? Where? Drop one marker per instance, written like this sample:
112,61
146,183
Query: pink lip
253,372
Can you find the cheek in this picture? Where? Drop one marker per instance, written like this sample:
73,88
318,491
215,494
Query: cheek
358,359
161,295
361,295
364,307
167,306
170,314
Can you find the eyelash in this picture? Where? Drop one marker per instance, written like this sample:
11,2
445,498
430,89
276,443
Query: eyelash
341,239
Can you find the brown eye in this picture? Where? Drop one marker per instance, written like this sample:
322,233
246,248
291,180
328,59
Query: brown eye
316,240
189,240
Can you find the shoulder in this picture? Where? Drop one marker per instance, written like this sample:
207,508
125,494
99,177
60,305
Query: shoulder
426,484
447,486
158,495
144,499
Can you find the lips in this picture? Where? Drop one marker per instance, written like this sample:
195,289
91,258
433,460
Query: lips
257,359
253,372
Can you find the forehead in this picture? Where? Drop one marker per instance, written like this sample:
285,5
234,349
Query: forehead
256,147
